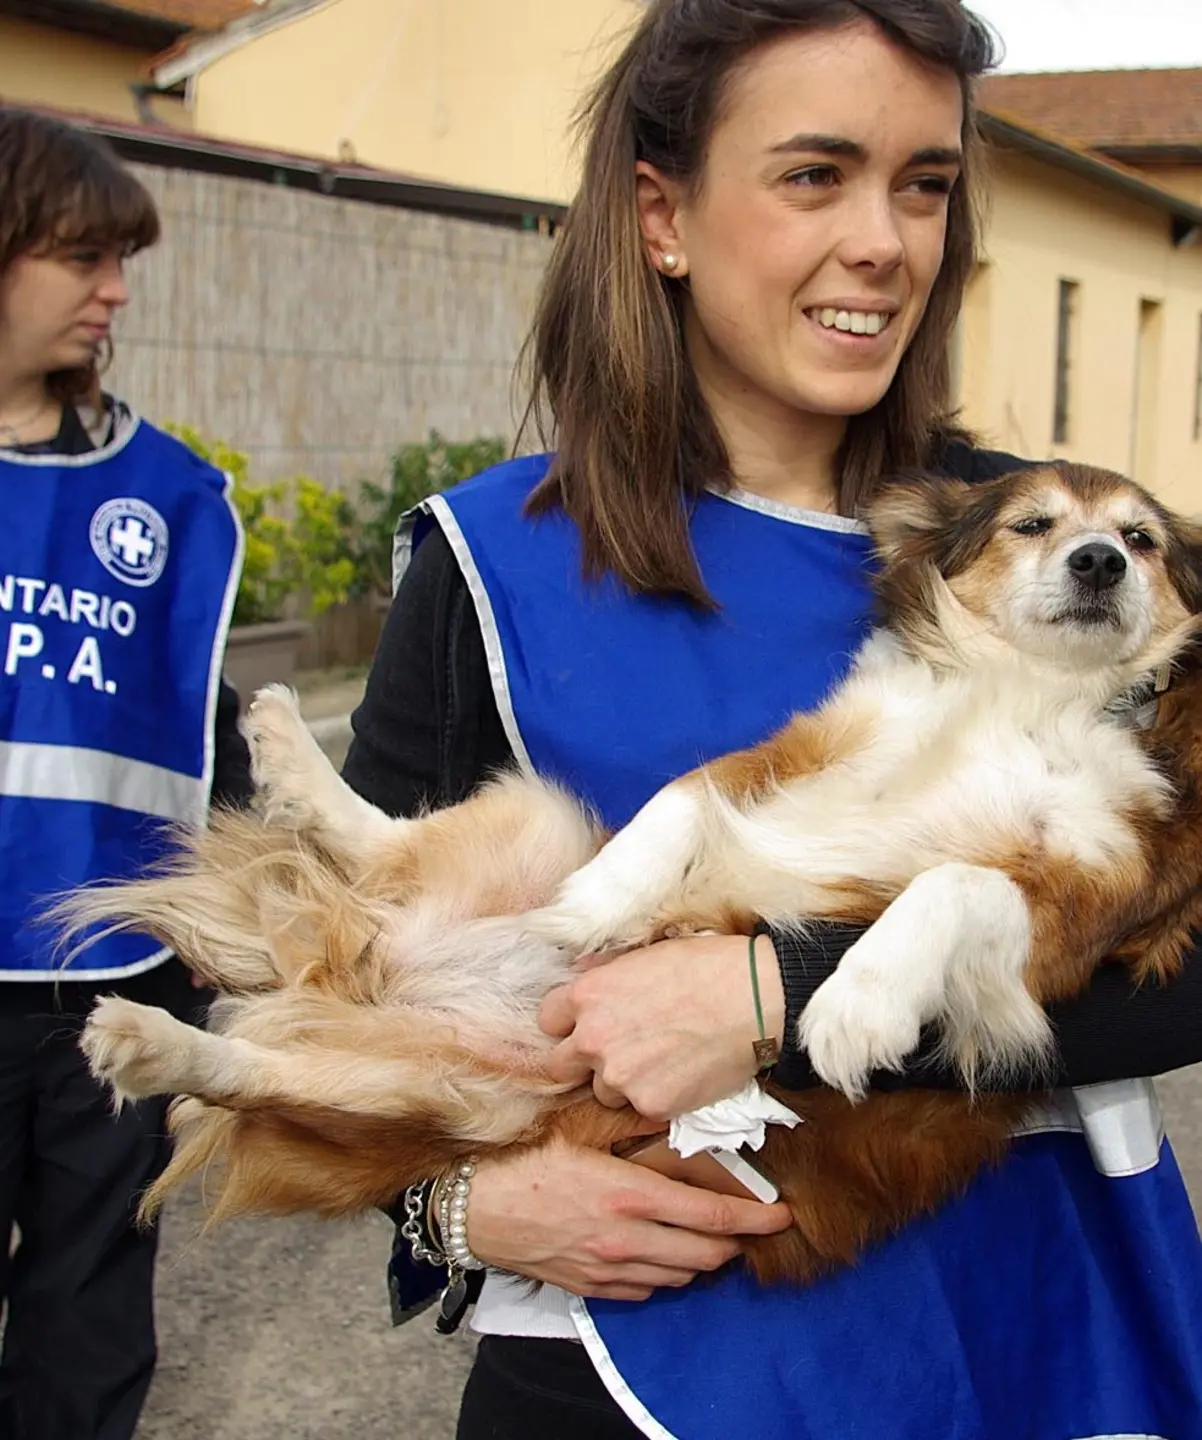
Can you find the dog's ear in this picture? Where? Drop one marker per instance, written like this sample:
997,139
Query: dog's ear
910,512
918,519
1183,560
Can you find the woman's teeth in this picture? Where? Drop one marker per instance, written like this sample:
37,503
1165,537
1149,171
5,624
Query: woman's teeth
854,322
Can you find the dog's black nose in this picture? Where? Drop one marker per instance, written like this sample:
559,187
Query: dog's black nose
1098,566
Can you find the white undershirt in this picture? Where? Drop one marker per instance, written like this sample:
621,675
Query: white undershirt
509,1306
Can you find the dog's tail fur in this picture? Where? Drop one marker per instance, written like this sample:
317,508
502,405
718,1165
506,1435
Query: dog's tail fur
349,1054
281,1162
232,900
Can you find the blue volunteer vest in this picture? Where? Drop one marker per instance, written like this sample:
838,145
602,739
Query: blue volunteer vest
1061,1298
118,571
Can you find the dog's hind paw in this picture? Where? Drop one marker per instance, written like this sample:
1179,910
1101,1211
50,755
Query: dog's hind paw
285,761
136,1050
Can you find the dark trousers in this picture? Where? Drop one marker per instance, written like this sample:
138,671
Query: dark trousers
79,1344
521,1388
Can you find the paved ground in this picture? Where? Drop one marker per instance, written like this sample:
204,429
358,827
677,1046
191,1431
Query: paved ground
280,1329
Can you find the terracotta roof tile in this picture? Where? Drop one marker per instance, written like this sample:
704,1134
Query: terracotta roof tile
1105,108
194,14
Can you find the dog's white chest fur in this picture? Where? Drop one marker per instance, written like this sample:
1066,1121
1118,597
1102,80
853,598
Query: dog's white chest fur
947,775
957,768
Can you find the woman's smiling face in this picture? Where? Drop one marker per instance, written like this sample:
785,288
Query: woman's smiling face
817,231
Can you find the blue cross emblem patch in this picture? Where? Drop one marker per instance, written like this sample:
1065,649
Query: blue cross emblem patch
129,538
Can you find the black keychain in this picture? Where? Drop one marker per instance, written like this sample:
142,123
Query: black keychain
463,1290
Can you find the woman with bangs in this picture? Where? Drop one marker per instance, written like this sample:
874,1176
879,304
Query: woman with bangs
119,561
743,333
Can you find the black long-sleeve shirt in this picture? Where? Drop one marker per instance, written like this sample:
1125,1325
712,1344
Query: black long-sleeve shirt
428,732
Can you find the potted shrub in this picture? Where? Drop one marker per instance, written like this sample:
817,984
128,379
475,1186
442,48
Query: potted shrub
299,560
418,469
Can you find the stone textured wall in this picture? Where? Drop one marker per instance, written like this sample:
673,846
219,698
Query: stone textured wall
318,334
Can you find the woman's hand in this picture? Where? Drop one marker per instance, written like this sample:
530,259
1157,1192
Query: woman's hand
668,1028
602,1227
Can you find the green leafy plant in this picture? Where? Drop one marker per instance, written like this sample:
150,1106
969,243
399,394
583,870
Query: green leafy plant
324,533
300,538
418,469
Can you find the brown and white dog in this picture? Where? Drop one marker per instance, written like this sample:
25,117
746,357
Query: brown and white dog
974,788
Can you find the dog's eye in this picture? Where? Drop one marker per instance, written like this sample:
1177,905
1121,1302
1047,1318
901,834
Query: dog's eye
1139,540
1033,525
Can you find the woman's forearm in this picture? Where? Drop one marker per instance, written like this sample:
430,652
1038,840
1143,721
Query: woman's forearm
1114,1031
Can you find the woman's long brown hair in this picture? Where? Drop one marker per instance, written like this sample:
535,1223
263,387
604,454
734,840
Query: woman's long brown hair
61,188
612,388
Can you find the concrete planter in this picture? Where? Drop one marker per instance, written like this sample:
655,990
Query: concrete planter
266,654
345,634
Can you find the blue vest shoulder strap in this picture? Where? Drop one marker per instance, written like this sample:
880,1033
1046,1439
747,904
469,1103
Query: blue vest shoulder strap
616,694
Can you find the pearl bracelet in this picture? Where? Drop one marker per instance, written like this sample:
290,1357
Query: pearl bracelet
453,1194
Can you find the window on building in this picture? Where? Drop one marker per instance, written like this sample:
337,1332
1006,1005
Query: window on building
1198,387
1145,418
1066,326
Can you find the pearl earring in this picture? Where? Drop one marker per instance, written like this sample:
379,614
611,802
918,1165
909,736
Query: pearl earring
669,262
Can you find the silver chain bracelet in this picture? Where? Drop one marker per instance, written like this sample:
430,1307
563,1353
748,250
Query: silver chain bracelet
446,1198
414,1230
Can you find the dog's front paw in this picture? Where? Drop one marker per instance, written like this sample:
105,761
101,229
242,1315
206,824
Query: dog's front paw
592,913
577,920
572,931
284,757
854,1024
136,1050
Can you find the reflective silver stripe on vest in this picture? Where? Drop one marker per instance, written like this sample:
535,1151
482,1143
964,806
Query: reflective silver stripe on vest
633,1408
67,772
1120,1122
494,650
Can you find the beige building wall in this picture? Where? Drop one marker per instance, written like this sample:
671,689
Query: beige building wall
1133,377
42,66
320,334
479,94
474,93
1183,180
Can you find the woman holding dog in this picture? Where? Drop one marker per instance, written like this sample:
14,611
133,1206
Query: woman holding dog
118,565
744,328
